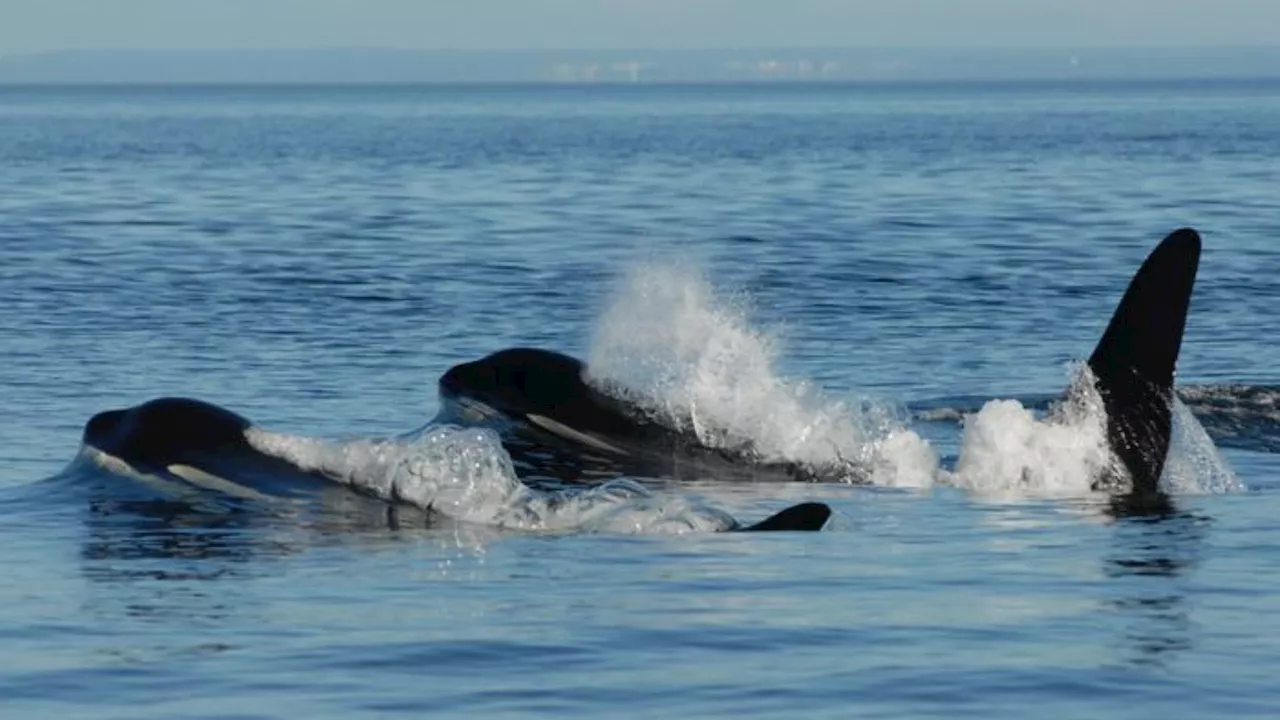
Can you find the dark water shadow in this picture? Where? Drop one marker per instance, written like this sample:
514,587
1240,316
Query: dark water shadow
1155,546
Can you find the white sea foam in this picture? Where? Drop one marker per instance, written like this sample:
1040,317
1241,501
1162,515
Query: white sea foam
679,349
1008,452
465,474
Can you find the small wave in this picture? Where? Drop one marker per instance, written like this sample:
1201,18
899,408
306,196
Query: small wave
689,356
1263,400
942,414
1244,417
464,474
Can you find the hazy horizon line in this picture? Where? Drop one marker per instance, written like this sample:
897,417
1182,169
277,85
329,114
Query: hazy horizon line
656,49
1011,81
392,65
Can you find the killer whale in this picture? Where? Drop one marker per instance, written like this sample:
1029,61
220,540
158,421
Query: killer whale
196,443
186,440
554,422
549,410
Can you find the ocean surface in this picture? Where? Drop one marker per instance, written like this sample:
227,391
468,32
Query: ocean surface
911,268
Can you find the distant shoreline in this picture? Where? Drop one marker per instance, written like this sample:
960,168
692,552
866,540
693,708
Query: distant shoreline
344,66
940,83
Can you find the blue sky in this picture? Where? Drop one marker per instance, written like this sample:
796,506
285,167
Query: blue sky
41,25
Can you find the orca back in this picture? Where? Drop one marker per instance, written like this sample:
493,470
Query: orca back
805,517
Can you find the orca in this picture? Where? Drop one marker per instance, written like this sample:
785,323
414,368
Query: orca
551,417
168,430
554,422
806,516
175,440
197,443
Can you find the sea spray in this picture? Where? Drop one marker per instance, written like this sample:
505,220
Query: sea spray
465,474
1007,451
689,356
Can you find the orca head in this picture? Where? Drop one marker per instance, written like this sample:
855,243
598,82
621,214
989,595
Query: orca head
545,393
518,382
159,432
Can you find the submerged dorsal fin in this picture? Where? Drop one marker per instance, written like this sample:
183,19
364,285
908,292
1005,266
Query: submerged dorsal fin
1134,361
805,517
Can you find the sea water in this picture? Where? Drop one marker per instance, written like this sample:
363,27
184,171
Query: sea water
905,275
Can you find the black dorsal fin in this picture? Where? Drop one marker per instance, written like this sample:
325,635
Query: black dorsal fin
1134,361
805,517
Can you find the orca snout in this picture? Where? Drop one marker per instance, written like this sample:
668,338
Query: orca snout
102,427
466,380
450,383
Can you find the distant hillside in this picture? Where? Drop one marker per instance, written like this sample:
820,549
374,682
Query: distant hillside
367,65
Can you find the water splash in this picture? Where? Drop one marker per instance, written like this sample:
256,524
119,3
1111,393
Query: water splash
465,474
1008,451
690,357
1194,464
